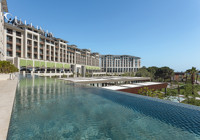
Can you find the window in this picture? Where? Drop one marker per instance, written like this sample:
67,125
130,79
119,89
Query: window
29,42
9,46
29,49
18,40
9,38
29,55
35,37
18,48
35,44
18,34
41,46
30,36
9,31
9,53
18,54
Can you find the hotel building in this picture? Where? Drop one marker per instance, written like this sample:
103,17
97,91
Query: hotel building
32,48
119,63
3,8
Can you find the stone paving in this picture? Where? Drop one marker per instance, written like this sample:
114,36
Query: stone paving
7,95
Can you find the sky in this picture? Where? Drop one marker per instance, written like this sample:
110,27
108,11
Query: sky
161,32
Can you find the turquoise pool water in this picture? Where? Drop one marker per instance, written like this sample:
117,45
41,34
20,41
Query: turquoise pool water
50,109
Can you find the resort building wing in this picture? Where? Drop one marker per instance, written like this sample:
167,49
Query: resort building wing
119,63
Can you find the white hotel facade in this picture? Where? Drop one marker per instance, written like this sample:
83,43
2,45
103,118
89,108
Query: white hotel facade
30,47
119,63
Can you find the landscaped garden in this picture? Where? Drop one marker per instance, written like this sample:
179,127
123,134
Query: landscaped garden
186,90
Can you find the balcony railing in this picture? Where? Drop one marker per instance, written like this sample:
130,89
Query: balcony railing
9,49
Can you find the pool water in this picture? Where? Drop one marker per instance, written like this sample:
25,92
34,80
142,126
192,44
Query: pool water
50,109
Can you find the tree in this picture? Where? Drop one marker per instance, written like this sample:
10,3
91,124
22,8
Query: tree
190,93
187,72
197,77
7,67
192,73
152,71
164,73
143,72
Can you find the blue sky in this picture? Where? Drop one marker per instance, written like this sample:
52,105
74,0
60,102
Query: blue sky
161,32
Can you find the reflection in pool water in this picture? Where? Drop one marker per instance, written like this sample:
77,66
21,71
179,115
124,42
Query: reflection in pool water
47,108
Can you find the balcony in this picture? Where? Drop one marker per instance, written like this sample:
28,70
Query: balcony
18,43
9,41
9,49
70,51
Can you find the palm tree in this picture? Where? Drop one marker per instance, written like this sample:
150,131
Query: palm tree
197,77
192,73
187,72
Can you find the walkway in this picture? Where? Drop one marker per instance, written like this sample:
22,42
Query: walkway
7,95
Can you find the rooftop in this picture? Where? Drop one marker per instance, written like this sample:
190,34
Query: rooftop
136,85
120,56
104,79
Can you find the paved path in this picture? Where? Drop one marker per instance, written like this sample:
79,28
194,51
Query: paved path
7,95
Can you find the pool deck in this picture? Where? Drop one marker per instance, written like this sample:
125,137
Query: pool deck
7,96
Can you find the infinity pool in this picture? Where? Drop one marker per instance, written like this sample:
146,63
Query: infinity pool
50,109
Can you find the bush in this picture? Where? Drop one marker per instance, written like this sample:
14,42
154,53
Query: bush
7,67
191,101
150,92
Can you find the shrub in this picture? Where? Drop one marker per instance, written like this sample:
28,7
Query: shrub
7,67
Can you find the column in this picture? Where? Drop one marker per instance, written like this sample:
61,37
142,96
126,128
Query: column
38,45
58,51
25,44
45,50
14,44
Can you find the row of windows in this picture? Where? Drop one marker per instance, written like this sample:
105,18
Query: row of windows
10,39
10,31
120,69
